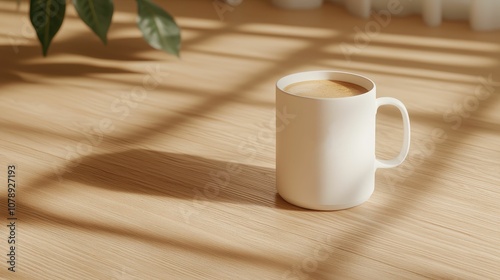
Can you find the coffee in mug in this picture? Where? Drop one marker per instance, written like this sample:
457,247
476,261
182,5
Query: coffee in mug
325,89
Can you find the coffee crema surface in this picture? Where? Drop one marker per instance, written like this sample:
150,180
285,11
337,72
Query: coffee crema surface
325,89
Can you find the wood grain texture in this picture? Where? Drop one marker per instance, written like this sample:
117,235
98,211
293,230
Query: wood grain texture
133,164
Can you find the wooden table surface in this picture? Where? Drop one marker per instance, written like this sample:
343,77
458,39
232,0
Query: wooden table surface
133,164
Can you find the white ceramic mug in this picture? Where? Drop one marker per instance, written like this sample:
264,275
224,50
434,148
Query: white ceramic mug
325,147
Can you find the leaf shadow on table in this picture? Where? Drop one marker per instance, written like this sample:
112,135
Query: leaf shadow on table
181,176
21,54
14,66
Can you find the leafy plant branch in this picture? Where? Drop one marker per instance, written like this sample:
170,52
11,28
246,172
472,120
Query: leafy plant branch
158,27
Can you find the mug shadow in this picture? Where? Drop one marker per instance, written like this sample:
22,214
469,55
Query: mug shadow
181,176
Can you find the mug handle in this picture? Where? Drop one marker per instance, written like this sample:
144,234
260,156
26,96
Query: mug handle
389,163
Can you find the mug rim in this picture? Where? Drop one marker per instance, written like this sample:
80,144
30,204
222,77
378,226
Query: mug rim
308,76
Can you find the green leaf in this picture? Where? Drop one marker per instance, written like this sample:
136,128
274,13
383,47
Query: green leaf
96,14
158,27
47,17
